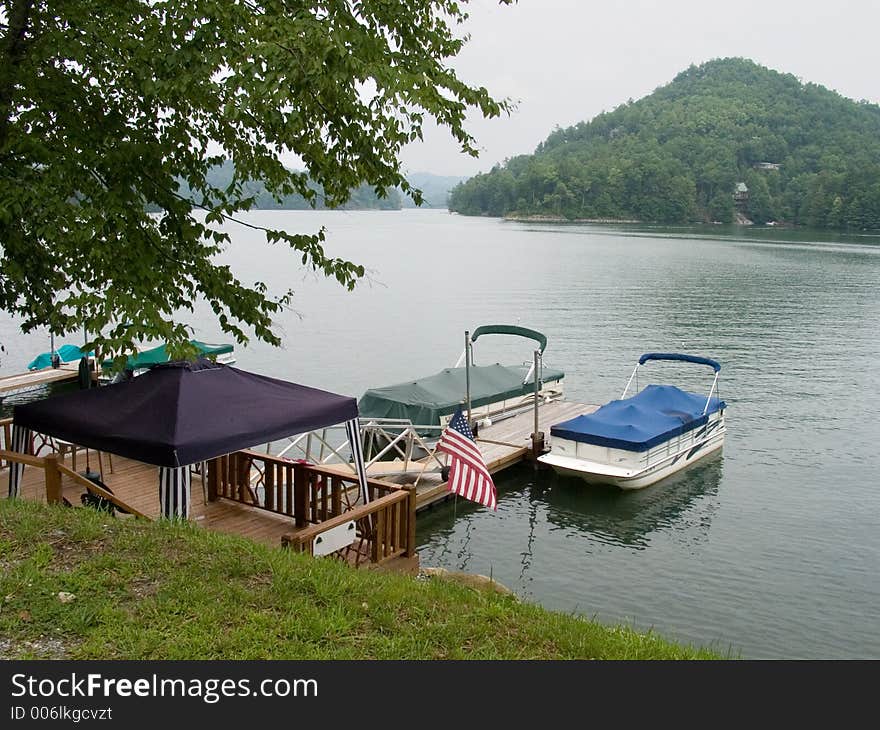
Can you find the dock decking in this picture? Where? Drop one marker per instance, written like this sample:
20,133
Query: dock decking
136,484
505,443
25,381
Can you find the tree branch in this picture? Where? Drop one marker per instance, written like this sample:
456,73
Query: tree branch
12,52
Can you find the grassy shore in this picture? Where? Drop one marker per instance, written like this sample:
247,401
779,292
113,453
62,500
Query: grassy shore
77,583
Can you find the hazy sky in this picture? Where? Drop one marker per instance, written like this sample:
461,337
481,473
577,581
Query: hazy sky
565,61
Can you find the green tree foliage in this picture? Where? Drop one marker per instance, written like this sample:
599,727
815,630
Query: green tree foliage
678,154
106,106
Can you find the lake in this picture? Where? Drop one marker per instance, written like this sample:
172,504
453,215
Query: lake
770,549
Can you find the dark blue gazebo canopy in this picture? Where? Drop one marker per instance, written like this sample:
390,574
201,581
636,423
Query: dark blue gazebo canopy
181,413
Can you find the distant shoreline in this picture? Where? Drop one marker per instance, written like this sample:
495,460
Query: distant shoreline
539,218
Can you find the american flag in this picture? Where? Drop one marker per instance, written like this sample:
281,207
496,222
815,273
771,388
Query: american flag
468,475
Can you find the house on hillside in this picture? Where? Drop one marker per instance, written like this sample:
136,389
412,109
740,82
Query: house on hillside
741,193
766,165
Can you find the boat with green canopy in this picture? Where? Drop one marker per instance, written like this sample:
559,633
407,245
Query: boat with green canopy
495,390
145,359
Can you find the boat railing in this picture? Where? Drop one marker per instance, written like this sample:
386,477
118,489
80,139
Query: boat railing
383,439
711,390
386,440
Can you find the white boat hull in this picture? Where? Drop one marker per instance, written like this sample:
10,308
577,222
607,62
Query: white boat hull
633,469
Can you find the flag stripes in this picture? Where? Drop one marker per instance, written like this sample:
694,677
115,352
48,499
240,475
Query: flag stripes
468,475
174,492
21,443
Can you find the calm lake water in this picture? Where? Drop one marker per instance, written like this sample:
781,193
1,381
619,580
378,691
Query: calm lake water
770,549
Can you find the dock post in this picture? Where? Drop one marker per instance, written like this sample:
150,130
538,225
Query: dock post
467,375
53,480
537,435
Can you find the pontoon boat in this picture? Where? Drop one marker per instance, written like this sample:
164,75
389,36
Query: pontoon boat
495,390
636,441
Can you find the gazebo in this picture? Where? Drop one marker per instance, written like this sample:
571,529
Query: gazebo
182,414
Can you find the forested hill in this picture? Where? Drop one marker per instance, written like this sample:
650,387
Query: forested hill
723,138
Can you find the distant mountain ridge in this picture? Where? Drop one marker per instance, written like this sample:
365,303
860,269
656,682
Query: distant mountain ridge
725,140
435,192
435,188
362,197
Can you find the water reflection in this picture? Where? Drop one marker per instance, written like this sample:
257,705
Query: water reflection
540,513
629,518
8,402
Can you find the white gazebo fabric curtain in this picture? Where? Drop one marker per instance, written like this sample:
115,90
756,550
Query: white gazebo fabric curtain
174,492
353,431
22,443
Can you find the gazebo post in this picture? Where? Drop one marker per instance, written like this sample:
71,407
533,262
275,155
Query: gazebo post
22,442
174,492
353,431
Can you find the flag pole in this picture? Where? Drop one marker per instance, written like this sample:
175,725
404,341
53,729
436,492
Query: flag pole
467,373
537,435
54,357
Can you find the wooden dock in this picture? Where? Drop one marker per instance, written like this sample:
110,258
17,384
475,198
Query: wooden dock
505,443
25,381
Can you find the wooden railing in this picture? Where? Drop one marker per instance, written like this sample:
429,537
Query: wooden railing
51,461
27,459
318,499
385,528
53,470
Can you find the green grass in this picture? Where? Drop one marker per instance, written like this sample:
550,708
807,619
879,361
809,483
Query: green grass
161,591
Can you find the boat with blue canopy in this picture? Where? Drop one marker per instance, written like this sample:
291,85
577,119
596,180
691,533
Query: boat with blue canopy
634,442
63,355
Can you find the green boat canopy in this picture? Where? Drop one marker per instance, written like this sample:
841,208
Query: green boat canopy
148,358
510,329
424,401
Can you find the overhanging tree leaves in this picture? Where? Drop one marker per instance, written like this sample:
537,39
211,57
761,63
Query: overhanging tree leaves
104,106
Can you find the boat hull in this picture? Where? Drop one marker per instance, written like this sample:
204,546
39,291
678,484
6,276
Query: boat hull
631,469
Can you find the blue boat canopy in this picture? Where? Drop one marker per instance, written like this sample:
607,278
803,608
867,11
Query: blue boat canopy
683,358
67,353
641,422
